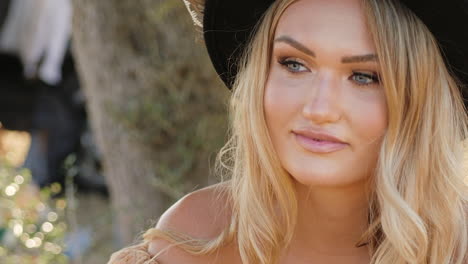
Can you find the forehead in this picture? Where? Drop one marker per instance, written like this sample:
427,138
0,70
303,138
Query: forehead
337,24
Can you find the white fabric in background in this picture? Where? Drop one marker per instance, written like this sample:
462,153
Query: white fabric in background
35,30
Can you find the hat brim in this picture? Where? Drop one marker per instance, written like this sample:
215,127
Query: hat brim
228,25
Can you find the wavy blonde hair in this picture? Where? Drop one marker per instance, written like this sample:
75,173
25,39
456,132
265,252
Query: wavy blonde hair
418,208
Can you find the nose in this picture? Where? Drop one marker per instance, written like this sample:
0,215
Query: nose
323,103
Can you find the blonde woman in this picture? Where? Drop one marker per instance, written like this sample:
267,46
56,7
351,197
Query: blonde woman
347,130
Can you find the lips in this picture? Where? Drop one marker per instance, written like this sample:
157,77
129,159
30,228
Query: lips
318,142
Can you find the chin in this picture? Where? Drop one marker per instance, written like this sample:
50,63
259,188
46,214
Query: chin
320,178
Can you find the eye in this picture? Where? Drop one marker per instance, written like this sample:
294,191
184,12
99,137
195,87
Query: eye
292,65
363,78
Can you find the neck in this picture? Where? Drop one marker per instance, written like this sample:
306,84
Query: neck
332,220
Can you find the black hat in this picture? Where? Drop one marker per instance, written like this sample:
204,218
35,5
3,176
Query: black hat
228,24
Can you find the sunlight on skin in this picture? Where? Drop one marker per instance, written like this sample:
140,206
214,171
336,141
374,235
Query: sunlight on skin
14,146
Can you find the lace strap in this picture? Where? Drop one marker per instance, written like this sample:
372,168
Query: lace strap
137,254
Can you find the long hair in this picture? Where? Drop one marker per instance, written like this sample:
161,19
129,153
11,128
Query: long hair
417,213
420,197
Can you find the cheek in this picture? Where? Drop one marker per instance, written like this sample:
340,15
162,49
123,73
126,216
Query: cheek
282,102
369,120
368,123
363,122
274,105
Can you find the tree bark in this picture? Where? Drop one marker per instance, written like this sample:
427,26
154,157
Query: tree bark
150,96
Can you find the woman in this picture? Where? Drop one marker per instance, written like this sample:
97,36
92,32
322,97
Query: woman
346,147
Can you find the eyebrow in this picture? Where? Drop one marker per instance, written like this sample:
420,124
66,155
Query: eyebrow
295,44
359,58
347,59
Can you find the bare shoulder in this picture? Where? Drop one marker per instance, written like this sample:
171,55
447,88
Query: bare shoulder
201,214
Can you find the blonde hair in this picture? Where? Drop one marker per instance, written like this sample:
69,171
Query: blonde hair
418,205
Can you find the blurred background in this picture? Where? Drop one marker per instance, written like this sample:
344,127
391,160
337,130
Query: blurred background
109,112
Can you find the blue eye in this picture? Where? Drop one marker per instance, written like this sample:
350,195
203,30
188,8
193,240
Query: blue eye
365,78
292,65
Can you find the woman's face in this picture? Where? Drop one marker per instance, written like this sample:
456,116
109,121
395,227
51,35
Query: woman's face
325,108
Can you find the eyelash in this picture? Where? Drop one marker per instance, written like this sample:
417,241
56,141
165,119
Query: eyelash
373,76
286,62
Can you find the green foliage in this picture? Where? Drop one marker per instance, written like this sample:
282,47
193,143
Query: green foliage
32,229
180,114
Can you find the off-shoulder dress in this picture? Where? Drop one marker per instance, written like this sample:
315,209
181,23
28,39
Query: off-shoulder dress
136,254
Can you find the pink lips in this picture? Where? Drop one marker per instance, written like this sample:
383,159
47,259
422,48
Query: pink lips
318,142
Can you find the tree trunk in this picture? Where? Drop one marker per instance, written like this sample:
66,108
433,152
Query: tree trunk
149,103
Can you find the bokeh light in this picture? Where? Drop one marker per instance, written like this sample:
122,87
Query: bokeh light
19,179
10,190
18,229
52,216
47,227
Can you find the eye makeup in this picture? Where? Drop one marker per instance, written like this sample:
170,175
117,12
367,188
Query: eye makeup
365,78
293,65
